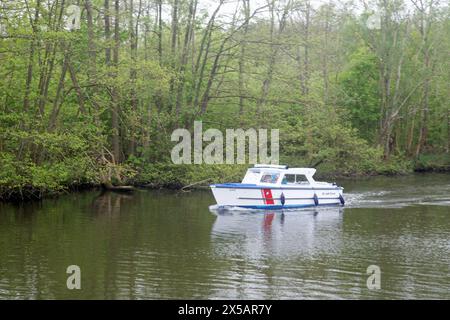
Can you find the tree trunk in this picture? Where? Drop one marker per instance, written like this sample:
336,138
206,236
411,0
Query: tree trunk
246,4
173,46
203,53
92,70
114,93
305,75
26,100
107,33
424,28
274,48
49,62
159,3
56,104
133,30
183,59
77,87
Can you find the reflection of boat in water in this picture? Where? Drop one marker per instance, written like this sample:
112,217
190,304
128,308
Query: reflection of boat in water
278,187
254,232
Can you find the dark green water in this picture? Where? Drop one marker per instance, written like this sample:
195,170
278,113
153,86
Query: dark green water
154,245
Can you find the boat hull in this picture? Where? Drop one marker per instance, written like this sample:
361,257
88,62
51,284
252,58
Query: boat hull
268,197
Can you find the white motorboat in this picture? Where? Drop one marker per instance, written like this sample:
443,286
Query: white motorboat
277,187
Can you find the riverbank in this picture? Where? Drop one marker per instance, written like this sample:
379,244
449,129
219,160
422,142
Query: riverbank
171,176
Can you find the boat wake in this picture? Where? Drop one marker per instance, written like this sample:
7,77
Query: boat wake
387,199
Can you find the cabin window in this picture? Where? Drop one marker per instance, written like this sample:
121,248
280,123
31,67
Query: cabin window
270,177
289,178
301,178
294,178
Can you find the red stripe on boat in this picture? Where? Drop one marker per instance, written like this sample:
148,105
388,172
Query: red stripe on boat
267,196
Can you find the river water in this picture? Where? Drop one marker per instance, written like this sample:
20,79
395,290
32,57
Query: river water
168,244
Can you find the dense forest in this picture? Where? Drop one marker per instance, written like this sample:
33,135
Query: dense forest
91,90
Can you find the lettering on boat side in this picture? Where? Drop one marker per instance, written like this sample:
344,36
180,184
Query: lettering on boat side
235,153
226,309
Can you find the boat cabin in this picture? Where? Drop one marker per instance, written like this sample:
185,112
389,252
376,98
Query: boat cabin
279,175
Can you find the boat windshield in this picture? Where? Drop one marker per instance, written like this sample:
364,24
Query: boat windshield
252,176
268,177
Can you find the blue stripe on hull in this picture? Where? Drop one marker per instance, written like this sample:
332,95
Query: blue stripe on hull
287,206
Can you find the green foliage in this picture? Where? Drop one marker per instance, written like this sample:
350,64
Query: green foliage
359,92
46,163
323,140
25,179
433,162
71,114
